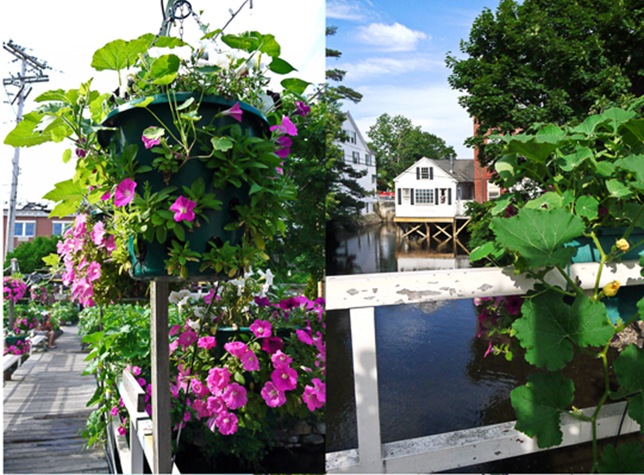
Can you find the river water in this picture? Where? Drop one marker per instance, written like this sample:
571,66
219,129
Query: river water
433,377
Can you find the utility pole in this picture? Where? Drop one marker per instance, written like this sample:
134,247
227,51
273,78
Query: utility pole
34,67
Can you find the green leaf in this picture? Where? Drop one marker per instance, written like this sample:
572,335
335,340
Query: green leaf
617,189
25,133
223,144
295,85
279,66
633,164
539,235
164,70
485,250
119,54
549,200
629,370
587,207
549,327
570,162
625,458
70,194
538,405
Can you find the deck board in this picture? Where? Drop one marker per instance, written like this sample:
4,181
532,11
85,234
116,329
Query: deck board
45,411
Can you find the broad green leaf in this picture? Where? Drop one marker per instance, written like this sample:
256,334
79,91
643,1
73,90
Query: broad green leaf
617,189
549,200
629,369
506,168
538,405
67,155
51,260
120,54
636,126
185,104
625,458
615,117
485,250
25,133
539,235
633,164
587,127
570,162
605,169
587,207
164,69
144,102
550,327
531,148
70,194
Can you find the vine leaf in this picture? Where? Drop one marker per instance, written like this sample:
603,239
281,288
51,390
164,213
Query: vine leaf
539,235
625,458
538,404
549,327
629,369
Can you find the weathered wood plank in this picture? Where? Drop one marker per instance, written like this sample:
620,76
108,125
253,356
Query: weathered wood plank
45,410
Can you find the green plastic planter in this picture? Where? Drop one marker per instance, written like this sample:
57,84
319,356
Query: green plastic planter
130,121
624,305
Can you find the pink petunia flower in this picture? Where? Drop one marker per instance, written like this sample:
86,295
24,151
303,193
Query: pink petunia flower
234,396
262,328
315,396
249,361
183,209
304,336
273,396
284,378
98,233
198,388
280,359
93,271
236,348
187,338
226,423
150,142
302,109
207,342
235,112
124,193
287,127
218,379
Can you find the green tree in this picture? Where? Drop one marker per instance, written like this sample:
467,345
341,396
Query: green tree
548,61
397,144
30,254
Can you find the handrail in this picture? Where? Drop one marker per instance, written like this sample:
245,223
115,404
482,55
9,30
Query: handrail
361,294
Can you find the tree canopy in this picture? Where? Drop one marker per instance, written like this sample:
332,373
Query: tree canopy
550,61
397,144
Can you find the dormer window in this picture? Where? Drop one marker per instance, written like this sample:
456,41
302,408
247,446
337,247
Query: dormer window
425,173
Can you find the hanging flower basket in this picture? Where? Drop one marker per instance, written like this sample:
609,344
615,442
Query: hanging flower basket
130,122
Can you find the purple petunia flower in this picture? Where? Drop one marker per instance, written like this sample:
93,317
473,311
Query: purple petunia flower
124,193
235,396
261,328
183,209
302,108
235,112
273,396
284,378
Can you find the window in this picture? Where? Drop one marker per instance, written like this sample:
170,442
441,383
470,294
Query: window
424,173
356,157
424,197
24,229
58,228
353,138
367,158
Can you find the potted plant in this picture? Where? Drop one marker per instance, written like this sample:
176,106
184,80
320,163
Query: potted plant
569,187
180,172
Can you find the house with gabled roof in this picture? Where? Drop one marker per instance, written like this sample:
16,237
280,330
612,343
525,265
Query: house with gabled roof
434,189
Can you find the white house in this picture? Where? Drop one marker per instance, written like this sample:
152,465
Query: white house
434,189
357,153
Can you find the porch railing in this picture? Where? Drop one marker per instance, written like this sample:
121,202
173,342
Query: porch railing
361,294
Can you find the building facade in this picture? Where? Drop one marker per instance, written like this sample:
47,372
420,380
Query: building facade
434,189
33,220
357,154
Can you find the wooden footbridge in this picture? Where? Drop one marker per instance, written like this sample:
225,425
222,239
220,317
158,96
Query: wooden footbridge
45,410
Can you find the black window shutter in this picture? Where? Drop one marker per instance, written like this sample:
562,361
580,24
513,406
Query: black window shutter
436,201
431,173
399,196
412,196
449,196
417,173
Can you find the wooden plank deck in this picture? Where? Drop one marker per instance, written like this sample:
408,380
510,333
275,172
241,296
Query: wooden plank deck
44,412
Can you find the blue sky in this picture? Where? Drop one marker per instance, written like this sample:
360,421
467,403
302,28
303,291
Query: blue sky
394,54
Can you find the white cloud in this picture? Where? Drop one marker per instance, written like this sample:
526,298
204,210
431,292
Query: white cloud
433,107
371,68
394,37
351,10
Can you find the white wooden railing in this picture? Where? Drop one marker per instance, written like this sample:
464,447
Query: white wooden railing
141,437
361,294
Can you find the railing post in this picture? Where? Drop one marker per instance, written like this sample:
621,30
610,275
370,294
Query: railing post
365,369
161,404
137,455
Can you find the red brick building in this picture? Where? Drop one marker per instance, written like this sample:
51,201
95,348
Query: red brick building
32,220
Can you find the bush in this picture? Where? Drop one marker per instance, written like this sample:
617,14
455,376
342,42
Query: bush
30,254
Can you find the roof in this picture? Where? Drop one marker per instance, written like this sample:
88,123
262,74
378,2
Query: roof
462,170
